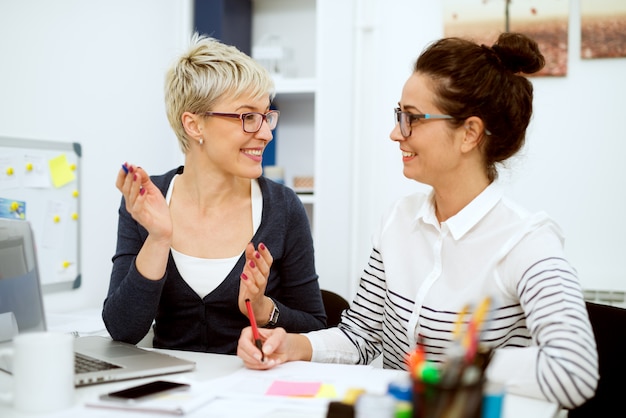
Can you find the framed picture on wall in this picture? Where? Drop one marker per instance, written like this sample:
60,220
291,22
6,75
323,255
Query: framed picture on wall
602,28
546,21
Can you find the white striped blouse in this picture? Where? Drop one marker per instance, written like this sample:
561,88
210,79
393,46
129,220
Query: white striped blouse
421,275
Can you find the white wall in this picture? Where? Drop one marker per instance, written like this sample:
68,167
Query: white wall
574,162
92,72
390,36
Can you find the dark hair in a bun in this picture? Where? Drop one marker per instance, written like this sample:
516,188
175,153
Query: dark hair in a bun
518,53
487,82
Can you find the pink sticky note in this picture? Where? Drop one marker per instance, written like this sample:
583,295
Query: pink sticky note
284,388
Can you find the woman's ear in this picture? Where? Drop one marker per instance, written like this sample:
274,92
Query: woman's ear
474,132
192,125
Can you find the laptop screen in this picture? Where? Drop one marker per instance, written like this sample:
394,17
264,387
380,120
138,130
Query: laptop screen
20,291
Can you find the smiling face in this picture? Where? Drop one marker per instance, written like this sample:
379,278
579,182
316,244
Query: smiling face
431,154
226,147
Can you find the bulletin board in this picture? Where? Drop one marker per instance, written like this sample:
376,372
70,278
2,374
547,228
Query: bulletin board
40,183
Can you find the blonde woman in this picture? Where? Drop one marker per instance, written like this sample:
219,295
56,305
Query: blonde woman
196,242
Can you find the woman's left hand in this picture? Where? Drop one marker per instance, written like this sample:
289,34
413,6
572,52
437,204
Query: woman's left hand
253,281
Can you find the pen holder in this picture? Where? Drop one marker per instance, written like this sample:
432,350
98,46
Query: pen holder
437,400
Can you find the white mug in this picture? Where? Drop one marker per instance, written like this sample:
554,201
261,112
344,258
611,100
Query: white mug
43,371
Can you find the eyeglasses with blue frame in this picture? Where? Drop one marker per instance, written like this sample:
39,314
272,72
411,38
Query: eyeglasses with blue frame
406,119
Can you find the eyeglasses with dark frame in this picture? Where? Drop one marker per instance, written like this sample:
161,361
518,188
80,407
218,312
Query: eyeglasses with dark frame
251,122
406,119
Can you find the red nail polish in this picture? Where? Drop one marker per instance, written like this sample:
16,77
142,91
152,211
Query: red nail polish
243,276
252,264
257,255
142,191
134,177
131,169
262,246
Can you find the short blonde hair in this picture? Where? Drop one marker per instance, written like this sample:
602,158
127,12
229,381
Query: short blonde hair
205,73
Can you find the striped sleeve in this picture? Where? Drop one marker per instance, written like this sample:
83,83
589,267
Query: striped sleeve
557,318
371,321
362,323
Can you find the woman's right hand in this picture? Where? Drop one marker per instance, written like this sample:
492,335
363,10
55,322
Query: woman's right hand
278,347
274,348
145,202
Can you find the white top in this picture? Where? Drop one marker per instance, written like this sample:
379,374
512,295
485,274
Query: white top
203,275
421,274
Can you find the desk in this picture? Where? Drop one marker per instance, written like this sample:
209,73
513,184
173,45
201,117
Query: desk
218,368
226,375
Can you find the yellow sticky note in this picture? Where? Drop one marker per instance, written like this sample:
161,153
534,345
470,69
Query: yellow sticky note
327,391
60,171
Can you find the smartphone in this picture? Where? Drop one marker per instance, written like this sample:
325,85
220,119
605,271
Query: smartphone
145,391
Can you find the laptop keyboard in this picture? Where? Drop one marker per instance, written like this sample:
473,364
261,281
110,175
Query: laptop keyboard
85,364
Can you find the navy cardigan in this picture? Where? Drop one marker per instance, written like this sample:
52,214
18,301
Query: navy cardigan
184,321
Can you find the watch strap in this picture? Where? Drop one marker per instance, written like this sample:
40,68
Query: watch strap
273,316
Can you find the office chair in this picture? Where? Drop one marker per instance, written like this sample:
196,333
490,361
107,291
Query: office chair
609,327
334,305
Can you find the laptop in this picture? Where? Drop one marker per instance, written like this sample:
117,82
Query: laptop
99,359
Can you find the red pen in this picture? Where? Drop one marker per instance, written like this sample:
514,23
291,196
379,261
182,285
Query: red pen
255,330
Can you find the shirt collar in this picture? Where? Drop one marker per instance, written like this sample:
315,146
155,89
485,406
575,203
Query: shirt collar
469,216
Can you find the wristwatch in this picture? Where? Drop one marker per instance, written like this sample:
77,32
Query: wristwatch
273,316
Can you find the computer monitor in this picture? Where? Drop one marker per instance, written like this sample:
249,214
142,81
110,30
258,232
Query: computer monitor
20,290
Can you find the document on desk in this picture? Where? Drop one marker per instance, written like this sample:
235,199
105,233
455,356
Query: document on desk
301,389
88,322
313,380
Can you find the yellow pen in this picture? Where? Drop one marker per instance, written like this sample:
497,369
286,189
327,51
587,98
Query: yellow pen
473,329
456,331
481,312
